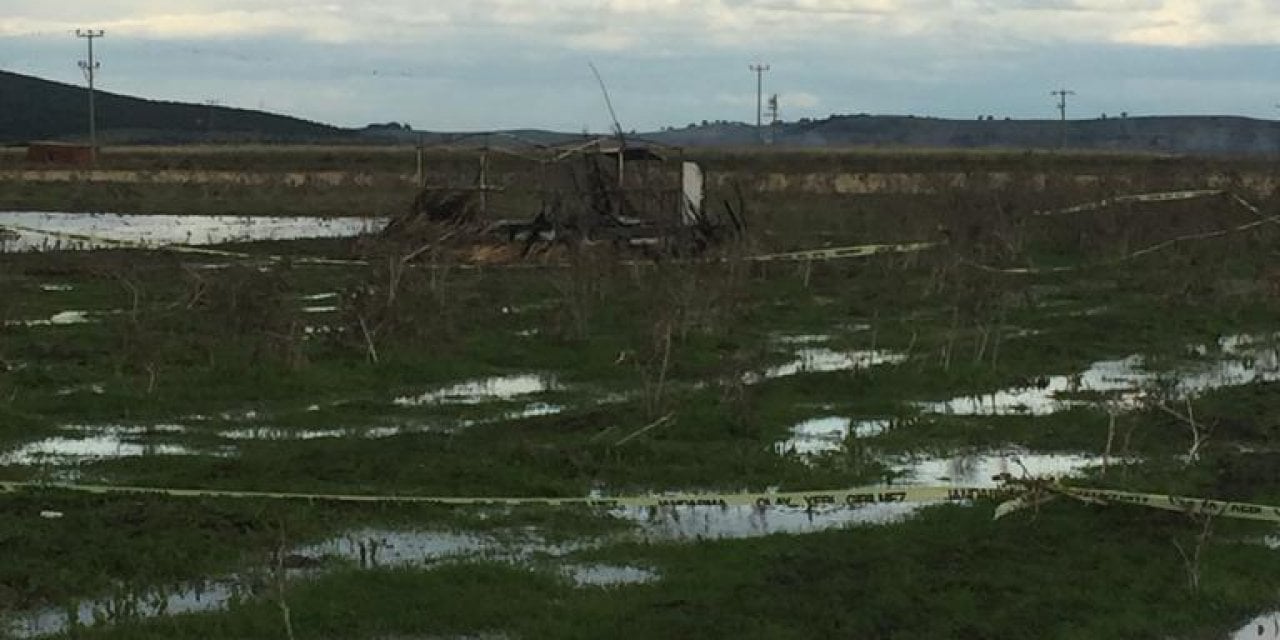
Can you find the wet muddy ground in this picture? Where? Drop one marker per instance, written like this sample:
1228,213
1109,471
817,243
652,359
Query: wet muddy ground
144,369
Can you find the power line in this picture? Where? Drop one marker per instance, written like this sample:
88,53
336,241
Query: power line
1062,112
1062,101
759,70
90,68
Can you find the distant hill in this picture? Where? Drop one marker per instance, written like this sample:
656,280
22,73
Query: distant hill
36,109
513,139
1164,134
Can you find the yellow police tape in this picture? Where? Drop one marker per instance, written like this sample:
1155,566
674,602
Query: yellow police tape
1035,492
845,253
1183,504
803,499
807,255
1164,196
1025,494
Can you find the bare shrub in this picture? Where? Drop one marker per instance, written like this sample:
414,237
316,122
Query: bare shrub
399,302
254,307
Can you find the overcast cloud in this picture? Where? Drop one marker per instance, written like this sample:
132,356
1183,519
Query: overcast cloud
472,64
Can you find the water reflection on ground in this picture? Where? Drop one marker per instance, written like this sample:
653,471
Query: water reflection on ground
829,434
684,524
824,360
40,231
605,575
1126,383
365,548
980,468
66,450
483,390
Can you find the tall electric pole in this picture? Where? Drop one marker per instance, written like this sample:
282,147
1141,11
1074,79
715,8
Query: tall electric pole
759,70
90,68
1062,112
1062,101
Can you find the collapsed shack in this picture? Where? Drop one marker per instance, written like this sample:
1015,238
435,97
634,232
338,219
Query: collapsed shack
525,200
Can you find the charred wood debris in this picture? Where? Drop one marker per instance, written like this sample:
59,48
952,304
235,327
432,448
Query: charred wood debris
634,201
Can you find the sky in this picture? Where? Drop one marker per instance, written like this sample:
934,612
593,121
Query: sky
456,65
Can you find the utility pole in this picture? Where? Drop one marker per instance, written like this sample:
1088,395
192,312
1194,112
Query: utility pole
1062,112
759,70
90,68
1062,101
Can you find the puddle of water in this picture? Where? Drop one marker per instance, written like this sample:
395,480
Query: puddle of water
96,389
317,297
388,548
1264,627
201,597
96,447
532,410
604,575
239,415
120,431
681,524
369,548
481,391
276,433
978,468
320,309
392,548
1125,383
377,547
826,435
535,410
56,288
803,339
60,319
159,230
824,360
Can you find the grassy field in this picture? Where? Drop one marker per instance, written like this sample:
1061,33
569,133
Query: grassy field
379,181
1154,347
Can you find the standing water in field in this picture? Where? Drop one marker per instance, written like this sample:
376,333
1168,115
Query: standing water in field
481,391
979,468
691,524
828,435
365,548
1126,383
36,231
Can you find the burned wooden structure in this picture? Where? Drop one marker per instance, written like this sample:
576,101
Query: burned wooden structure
61,153
625,194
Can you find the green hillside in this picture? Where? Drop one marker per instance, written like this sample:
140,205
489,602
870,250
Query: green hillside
36,109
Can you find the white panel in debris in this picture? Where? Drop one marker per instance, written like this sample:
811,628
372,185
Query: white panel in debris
691,185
